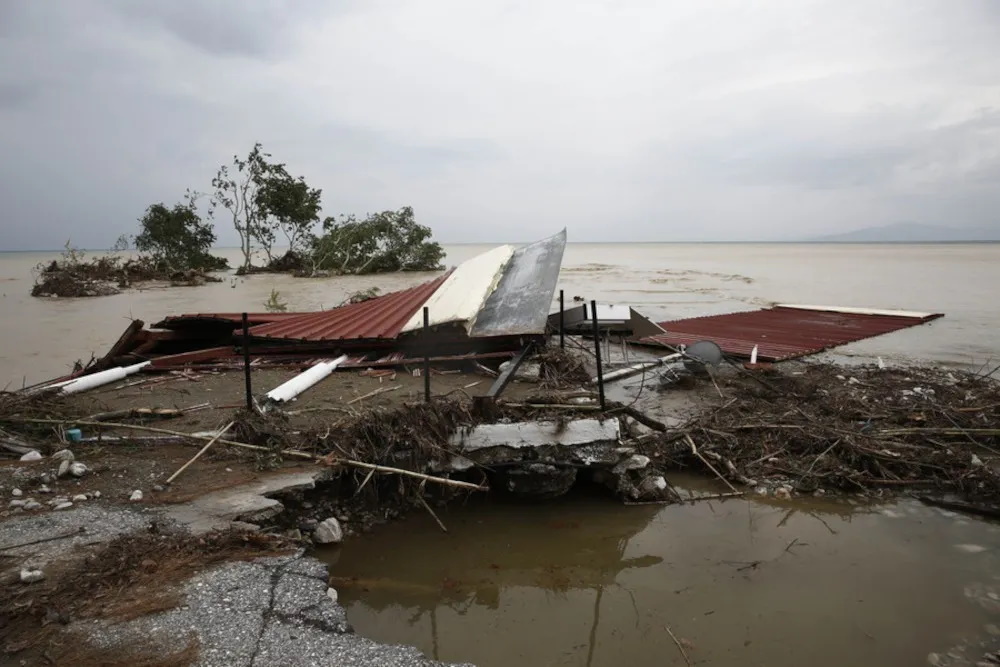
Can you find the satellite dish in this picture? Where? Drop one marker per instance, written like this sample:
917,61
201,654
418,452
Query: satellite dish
701,356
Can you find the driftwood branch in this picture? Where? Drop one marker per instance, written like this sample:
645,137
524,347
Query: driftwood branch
200,452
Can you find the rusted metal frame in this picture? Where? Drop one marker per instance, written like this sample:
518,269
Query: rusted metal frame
505,377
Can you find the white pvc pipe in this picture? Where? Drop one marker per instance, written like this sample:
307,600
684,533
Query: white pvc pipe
98,379
298,384
636,368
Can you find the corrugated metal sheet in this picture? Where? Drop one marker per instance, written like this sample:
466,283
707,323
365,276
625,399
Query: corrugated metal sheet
184,321
786,332
520,303
462,296
381,318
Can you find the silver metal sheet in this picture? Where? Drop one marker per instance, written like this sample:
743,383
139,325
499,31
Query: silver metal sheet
520,304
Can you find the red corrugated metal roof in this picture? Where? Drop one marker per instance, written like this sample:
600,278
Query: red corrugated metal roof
781,332
180,321
379,318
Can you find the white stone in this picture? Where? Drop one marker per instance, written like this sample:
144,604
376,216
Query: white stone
634,462
819,492
63,468
77,469
761,490
32,505
33,455
79,498
783,492
17,493
44,489
64,455
328,532
95,494
331,593
64,506
970,548
976,461
31,576
136,496
17,503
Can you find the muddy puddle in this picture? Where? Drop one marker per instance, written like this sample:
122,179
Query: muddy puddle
586,581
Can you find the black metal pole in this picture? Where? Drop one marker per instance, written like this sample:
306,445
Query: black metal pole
427,356
597,351
246,360
562,321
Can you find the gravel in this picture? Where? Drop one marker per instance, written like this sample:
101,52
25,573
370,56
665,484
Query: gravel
101,524
270,611
244,614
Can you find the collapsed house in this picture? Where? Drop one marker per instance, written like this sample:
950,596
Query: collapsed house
485,316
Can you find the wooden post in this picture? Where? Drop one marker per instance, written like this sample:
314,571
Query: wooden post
246,360
562,320
427,356
597,352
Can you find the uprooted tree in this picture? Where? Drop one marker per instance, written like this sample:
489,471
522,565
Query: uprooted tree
262,198
381,243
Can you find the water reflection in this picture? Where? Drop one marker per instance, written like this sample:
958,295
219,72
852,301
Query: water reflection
586,581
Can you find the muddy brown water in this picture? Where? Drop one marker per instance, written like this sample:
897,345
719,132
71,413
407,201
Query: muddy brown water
587,581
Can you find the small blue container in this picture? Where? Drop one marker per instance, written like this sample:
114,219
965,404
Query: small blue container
74,434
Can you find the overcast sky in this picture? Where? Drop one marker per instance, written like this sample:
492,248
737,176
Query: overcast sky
505,121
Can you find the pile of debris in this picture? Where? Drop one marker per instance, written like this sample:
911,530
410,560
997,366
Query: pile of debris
854,429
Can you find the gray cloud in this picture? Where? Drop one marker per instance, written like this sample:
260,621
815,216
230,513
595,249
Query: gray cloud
639,120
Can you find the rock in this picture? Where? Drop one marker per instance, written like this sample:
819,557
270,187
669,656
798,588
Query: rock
293,534
331,593
819,492
749,482
77,469
634,462
79,498
64,506
653,486
17,503
44,489
63,468
976,461
157,488
244,526
328,532
63,455
29,576
95,494
17,493
32,505
783,492
33,455
136,496
307,505
308,525
761,490
46,478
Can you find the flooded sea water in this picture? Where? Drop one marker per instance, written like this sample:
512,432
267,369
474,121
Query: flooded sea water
587,581
41,338
584,580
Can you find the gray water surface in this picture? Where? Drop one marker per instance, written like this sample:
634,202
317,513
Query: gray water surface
587,581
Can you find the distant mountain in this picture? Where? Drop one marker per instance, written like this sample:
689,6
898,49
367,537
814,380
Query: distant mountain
912,232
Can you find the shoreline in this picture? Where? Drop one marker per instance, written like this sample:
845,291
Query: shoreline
226,490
